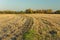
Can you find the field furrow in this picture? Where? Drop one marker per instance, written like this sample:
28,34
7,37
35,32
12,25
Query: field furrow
29,27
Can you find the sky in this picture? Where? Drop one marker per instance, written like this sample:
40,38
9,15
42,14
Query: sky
25,4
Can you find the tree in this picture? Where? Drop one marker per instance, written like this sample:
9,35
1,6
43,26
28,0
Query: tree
57,12
49,11
29,11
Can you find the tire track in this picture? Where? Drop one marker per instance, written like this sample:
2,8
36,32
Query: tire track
27,26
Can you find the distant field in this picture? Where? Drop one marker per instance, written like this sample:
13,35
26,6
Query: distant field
29,26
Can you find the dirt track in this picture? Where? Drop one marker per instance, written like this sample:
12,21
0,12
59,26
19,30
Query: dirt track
36,26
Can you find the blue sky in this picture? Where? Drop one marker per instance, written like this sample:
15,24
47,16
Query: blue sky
25,4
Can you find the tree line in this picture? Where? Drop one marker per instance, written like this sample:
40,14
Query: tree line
30,11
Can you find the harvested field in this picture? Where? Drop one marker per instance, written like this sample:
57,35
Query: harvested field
29,26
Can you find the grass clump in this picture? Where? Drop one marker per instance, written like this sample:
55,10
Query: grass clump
30,35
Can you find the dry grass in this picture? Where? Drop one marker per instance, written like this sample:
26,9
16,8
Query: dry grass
29,27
